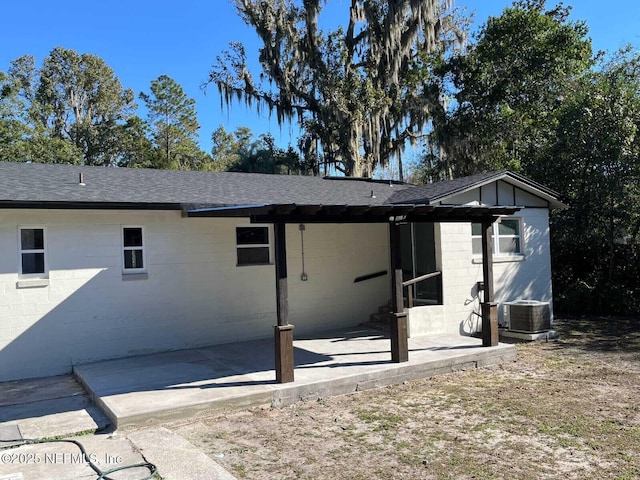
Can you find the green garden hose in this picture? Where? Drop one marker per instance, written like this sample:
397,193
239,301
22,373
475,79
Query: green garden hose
102,474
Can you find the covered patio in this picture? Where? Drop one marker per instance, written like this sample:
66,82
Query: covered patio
411,209
165,386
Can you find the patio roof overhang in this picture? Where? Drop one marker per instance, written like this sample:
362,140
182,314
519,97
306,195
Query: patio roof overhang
385,213
393,215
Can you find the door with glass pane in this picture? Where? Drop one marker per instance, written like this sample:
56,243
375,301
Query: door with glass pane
419,258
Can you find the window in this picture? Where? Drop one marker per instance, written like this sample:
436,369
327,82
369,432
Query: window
506,237
252,245
133,250
32,258
476,238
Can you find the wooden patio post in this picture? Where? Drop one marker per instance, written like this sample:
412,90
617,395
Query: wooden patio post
489,307
283,331
399,343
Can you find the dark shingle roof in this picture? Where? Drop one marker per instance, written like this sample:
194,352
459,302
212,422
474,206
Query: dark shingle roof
433,192
22,182
60,183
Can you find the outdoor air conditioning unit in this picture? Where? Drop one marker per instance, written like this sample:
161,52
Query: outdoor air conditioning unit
528,316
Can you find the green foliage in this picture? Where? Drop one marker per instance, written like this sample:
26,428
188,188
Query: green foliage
78,98
12,129
136,146
174,127
507,90
531,97
71,110
594,160
227,148
239,152
352,89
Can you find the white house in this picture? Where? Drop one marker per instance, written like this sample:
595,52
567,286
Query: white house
101,263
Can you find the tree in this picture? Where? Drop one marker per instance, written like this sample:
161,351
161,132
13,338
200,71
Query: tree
355,91
12,129
227,148
136,148
70,110
264,156
23,136
594,160
174,126
530,96
239,152
81,99
507,89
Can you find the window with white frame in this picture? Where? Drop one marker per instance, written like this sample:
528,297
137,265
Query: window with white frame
133,250
32,252
507,237
252,245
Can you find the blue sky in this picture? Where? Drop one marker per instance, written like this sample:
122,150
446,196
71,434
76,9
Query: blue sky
142,39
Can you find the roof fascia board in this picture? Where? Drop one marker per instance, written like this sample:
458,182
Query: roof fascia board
386,214
226,207
47,205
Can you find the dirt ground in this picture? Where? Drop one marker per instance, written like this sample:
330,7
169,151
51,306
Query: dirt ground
567,409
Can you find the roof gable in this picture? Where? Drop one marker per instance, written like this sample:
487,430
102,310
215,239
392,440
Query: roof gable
440,192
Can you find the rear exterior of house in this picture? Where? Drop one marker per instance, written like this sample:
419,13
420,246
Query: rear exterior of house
79,284
522,261
191,292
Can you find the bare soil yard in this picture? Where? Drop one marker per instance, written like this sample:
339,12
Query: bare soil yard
568,409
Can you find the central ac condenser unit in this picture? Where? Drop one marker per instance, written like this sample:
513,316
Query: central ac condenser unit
528,316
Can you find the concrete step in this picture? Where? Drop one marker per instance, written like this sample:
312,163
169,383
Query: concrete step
384,318
377,326
385,309
49,407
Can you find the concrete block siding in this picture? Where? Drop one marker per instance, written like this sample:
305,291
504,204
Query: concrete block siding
334,255
193,293
530,278
522,277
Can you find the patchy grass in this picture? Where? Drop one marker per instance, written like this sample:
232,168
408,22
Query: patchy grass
568,409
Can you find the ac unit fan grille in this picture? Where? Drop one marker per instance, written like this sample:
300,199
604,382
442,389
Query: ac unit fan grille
529,318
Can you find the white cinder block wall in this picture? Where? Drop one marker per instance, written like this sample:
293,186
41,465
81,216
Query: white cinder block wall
531,278
527,277
194,293
459,274
334,255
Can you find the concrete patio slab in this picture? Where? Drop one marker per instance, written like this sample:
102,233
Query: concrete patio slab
174,457
54,461
155,388
51,406
54,407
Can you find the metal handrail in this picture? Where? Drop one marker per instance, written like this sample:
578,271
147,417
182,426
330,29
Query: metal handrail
420,278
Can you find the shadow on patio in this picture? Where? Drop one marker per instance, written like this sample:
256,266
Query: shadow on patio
162,386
